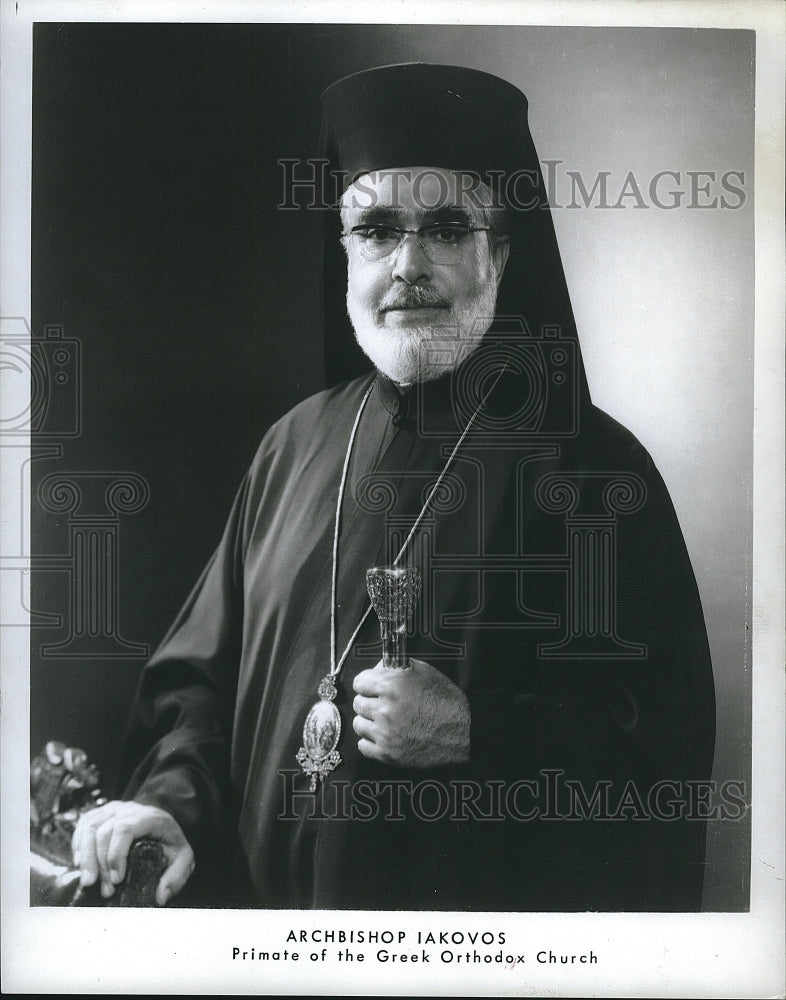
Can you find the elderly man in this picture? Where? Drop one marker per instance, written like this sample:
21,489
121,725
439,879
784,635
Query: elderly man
539,749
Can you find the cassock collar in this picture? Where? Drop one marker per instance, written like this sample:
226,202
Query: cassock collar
394,397
409,405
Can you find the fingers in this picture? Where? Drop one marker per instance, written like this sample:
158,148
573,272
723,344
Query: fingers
364,706
118,844
115,837
417,717
371,750
90,845
370,683
84,844
103,839
382,680
363,727
176,876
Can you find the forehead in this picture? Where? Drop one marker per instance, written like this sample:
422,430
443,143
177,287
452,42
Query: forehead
412,191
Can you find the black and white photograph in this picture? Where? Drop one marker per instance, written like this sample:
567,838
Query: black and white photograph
392,557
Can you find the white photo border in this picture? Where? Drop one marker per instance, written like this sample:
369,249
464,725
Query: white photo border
183,952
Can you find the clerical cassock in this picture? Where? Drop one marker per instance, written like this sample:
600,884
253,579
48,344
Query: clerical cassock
557,593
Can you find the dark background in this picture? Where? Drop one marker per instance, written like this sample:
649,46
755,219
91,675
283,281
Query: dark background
158,245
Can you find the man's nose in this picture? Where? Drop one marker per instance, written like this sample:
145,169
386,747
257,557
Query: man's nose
410,262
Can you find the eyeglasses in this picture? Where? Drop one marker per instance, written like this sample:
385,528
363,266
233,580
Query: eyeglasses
441,242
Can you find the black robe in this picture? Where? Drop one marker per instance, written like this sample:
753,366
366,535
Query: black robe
557,592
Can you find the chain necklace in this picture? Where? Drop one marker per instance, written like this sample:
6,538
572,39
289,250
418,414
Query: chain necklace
322,729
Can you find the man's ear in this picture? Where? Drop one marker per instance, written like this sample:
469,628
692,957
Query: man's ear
500,253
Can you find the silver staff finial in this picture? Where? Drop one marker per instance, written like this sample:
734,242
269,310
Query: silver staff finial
393,591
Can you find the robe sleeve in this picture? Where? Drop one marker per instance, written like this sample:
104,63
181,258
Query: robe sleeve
177,752
660,707
640,721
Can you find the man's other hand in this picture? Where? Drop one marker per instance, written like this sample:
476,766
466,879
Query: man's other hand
103,838
413,718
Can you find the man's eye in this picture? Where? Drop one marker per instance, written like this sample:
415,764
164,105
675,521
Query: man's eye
378,234
449,235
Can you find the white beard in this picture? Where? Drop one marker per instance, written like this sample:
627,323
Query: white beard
419,354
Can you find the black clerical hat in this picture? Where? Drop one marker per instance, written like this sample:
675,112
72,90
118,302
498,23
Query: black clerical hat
426,114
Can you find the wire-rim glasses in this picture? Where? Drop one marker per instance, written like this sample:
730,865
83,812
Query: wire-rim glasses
441,242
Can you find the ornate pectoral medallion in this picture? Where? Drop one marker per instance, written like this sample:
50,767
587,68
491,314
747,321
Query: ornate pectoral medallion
321,732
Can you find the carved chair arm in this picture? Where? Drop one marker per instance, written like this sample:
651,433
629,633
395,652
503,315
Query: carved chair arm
63,785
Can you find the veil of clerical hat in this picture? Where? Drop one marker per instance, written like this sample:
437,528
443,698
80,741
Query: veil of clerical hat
422,114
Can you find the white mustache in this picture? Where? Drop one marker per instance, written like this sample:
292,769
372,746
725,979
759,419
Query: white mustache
413,298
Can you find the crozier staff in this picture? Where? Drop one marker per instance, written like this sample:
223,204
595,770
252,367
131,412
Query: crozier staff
559,632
